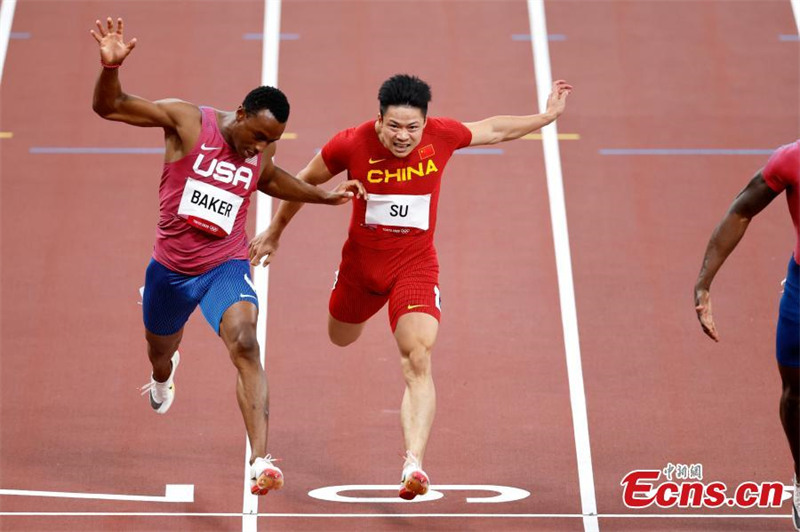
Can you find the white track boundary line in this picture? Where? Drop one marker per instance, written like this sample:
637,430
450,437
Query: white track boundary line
6,18
269,76
569,318
796,11
395,516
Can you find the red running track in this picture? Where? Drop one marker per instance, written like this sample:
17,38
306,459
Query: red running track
77,232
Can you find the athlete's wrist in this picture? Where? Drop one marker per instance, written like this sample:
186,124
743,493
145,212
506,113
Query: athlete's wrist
110,66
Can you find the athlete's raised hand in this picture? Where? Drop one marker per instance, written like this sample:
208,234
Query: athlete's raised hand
347,190
113,48
557,101
702,304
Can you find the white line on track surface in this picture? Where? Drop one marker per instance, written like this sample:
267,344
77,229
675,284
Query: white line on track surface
566,290
6,18
172,493
395,516
269,76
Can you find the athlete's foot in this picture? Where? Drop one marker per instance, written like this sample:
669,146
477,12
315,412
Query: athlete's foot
162,393
265,476
414,480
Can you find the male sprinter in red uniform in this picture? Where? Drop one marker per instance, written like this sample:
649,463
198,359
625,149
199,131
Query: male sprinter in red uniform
214,160
781,173
389,254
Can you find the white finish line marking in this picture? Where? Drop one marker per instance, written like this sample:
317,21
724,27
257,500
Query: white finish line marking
503,493
172,493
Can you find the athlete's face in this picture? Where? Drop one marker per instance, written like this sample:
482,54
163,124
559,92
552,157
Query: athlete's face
400,129
253,133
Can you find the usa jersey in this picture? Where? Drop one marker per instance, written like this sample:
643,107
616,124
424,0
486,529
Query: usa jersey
782,172
203,203
403,192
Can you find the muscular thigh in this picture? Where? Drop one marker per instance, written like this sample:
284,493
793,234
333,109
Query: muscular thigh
416,289
169,298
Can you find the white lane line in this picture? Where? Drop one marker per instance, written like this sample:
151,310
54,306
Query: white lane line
396,516
566,290
269,76
6,18
796,11
172,493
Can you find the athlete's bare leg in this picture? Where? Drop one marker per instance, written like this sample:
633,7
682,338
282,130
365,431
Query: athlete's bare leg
415,335
160,350
343,334
790,411
238,331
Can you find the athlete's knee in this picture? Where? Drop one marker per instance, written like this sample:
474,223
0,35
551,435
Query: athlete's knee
417,361
343,334
162,345
242,344
341,340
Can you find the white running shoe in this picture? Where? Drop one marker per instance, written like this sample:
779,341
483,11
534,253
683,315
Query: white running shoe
162,393
796,505
265,476
414,481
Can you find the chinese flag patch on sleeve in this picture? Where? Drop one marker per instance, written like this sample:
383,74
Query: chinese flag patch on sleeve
426,151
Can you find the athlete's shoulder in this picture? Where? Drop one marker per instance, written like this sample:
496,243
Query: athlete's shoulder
450,130
783,167
443,123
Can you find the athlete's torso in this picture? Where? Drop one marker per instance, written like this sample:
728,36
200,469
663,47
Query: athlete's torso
203,203
403,193
782,172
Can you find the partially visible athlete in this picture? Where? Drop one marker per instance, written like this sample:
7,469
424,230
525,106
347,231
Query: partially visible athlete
389,254
781,173
213,161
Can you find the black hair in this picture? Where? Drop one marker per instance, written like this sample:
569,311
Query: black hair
404,89
269,98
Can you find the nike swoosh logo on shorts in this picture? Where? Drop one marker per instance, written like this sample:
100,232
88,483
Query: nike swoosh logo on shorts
412,307
248,295
375,161
209,148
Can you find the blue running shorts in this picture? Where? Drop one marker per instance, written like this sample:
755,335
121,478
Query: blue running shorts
787,342
170,297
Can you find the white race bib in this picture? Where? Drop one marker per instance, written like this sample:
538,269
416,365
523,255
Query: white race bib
209,208
399,210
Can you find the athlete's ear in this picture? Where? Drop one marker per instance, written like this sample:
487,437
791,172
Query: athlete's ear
240,113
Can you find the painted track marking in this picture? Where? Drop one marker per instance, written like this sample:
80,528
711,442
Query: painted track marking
269,76
6,19
172,493
566,290
502,493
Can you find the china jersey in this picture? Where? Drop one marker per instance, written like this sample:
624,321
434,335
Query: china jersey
203,203
782,172
403,192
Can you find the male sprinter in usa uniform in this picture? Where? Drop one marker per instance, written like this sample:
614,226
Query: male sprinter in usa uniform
214,160
781,173
389,254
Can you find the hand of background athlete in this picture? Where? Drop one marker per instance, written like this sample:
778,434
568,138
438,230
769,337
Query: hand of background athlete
347,190
113,49
702,302
557,101
263,247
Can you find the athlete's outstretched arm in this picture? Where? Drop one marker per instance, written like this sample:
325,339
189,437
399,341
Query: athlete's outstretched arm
730,230
502,128
112,103
295,191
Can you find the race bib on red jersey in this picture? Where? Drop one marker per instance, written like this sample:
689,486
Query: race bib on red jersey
399,210
209,208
